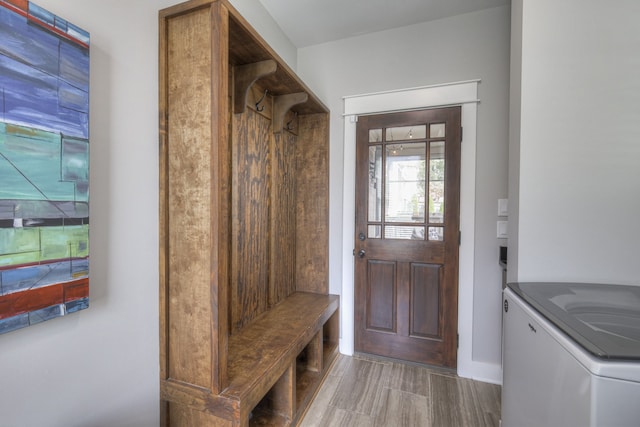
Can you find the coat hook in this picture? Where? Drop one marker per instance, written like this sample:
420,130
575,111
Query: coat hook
288,125
258,107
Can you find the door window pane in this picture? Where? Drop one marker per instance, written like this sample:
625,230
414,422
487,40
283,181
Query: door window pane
436,182
375,231
375,135
404,133
436,234
436,130
405,182
375,183
403,232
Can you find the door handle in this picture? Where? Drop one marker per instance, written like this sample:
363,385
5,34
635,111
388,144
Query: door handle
361,253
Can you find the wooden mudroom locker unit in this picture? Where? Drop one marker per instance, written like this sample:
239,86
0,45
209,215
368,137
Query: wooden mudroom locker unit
248,329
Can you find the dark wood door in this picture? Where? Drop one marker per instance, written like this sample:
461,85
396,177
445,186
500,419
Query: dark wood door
407,235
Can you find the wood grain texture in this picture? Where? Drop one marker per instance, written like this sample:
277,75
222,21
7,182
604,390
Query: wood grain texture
163,207
258,100
250,247
449,316
426,274
221,195
476,403
188,166
234,331
381,296
401,409
330,339
281,397
363,384
261,351
282,105
363,390
291,122
312,203
194,182
250,47
199,399
183,416
282,280
425,300
243,78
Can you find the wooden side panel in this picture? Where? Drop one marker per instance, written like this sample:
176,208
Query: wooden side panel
163,208
312,204
314,353
381,296
221,201
425,300
183,416
283,217
188,164
330,340
251,212
281,397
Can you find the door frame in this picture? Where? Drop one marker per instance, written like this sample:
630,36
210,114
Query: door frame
464,94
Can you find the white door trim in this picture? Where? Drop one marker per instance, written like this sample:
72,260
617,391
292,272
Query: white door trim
464,94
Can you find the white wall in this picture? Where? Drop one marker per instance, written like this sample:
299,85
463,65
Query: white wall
263,23
514,138
579,144
100,367
465,47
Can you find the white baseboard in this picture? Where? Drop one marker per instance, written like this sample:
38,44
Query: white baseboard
486,372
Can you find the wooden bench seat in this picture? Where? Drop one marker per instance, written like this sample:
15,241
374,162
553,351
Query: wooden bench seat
276,364
263,351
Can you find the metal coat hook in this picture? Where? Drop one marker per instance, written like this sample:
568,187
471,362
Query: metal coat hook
258,107
288,125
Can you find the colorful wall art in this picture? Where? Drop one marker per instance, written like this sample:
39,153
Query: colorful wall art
44,166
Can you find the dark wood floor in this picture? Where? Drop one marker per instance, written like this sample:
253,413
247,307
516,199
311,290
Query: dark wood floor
366,391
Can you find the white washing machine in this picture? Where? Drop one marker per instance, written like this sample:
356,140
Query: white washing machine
571,355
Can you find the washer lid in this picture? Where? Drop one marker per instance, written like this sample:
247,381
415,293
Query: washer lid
604,319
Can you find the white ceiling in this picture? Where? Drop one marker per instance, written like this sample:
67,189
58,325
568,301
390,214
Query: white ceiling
309,22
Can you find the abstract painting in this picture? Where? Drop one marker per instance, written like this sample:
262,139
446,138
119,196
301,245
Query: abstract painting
44,166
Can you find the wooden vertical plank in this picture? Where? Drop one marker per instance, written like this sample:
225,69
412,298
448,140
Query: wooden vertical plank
314,353
312,203
221,194
164,413
283,218
163,232
282,394
188,194
250,219
330,339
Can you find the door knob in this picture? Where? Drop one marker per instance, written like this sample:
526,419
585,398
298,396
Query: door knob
361,253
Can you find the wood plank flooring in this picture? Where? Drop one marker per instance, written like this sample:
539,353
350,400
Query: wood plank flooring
367,391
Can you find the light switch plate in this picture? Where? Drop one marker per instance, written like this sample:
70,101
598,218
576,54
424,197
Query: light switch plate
503,207
503,227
